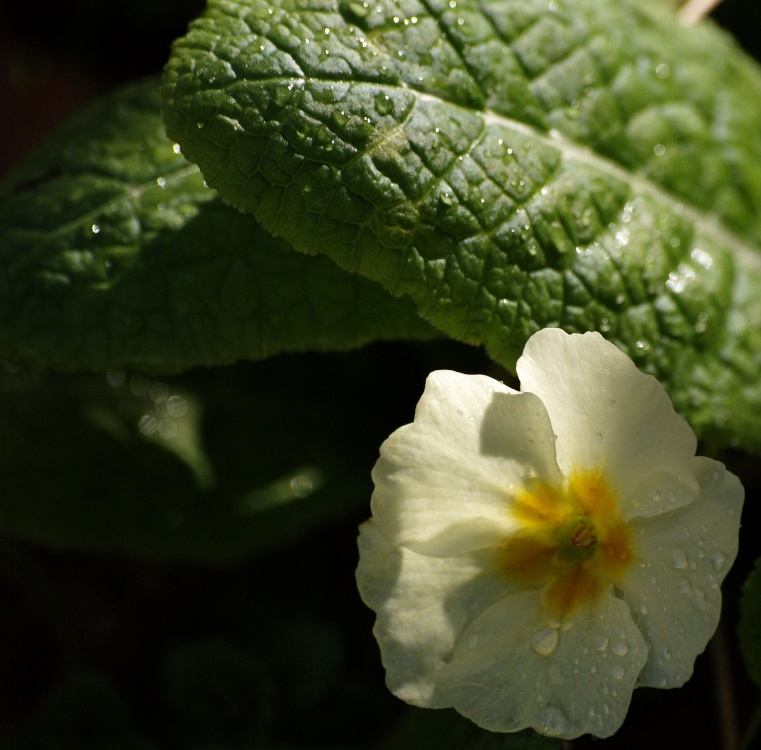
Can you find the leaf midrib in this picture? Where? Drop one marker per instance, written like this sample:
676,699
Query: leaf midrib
743,251
131,192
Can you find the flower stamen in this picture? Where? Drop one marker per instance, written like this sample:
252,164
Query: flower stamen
572,540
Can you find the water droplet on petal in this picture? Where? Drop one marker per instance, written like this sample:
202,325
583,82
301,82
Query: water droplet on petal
698,598
620,649
545,642
718,561
680,560
551,721
618,672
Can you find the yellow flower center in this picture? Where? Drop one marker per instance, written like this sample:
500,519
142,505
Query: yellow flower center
572,541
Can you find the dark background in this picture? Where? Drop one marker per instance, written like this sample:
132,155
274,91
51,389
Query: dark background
106,651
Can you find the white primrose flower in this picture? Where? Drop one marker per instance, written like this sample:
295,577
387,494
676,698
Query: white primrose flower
534,556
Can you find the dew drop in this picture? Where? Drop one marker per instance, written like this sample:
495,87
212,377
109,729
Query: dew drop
545,642
552,721
383,104
659,149
718,561
680,560
663,71
618,672
95,229
620,649
602,643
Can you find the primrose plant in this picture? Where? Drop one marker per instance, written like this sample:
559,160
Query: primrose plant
572,185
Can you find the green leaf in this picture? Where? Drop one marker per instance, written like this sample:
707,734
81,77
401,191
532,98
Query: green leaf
424,729
750,623
113,253
510,165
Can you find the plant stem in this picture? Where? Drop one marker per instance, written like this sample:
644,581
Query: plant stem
693,10
752,729
725,694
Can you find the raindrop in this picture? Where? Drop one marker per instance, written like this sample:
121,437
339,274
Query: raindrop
95,229
167,429
176,406
718,560
545,642
659,149
680,560
620,649
383,104
552,721
602,643
618,672
116,378
663,71
148,424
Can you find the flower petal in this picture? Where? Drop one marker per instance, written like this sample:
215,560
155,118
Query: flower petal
515,668
683,557
422,605
443,483
608,415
